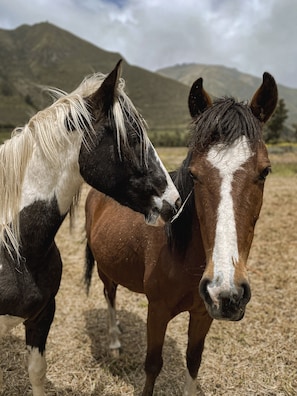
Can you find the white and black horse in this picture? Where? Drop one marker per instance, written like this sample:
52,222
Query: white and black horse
95,135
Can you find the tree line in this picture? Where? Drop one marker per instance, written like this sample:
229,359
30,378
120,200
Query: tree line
275,131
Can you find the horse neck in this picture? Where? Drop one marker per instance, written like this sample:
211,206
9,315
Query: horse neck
47,194
45,180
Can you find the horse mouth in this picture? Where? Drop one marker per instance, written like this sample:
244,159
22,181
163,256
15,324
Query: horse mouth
232,313
158,216
154,218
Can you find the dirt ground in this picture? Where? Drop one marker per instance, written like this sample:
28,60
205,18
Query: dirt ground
256,356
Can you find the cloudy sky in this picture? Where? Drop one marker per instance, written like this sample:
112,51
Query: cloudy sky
252,36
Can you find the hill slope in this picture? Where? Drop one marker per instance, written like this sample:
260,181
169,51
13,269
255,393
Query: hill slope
221,81
47,55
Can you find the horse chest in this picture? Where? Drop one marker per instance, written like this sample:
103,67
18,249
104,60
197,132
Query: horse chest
18,289
24,291
26,286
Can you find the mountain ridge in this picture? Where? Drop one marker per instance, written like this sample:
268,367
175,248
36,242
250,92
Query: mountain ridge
217,79
46,55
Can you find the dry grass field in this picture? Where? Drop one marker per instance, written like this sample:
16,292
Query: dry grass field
253,357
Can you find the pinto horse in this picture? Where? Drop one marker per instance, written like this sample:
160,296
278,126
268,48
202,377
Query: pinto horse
197,262
95,135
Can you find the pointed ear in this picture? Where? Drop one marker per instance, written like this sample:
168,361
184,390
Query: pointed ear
265,98
198,99
104,96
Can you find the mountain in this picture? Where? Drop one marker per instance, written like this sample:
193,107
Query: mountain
221,81
46,55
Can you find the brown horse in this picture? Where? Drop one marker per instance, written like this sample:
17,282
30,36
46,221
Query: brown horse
196,263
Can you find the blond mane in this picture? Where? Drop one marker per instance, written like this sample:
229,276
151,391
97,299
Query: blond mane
47,130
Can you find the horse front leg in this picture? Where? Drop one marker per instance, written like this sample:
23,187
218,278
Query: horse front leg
199,325
36,335
157,321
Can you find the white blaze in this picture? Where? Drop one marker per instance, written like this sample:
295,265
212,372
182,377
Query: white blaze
225,253
171,194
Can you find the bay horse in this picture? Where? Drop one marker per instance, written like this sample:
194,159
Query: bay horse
93,134
196,262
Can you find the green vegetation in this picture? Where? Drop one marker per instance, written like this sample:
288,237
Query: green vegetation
275,128
285,169
5,134
169,138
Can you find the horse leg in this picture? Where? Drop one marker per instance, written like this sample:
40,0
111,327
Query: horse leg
199,325
37,331
157,321
110,289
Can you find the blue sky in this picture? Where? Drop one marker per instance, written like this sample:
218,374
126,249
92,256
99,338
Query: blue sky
252,36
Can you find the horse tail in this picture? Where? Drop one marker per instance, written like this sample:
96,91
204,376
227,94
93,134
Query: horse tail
89,266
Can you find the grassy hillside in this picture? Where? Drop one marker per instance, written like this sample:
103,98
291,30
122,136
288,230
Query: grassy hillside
43,54
221,81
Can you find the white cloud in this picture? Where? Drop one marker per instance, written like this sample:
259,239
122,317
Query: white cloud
252,36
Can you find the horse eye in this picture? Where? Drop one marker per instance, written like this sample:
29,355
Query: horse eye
195,178
264,173
192,176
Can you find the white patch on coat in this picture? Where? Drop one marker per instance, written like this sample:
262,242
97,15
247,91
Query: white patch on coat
44,180
171,194
227,160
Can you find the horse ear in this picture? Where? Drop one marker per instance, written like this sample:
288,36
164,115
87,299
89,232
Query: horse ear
265,98
198,99
104,96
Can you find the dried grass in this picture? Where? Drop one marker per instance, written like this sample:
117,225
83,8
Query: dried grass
256,356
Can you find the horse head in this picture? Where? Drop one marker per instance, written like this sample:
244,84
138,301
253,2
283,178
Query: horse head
229,164
118,157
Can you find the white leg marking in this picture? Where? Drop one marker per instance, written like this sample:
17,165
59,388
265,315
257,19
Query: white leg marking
113,330
225,253
190,386
37,370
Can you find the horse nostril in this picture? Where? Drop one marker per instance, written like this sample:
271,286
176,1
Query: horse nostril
203,290
246,295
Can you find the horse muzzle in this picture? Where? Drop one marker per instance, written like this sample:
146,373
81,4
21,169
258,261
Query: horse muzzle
162,212
228,304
